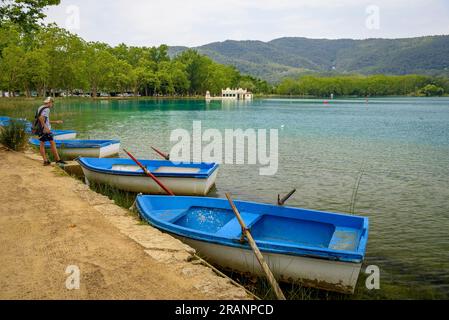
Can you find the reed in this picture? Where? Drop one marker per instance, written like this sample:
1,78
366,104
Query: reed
14,135
61,152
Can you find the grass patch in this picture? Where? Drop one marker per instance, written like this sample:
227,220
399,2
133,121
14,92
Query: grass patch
292,291
61,153
50,155
14,135
295,291
121,198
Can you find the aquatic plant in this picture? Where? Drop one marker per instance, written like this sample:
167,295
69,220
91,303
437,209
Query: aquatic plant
14,135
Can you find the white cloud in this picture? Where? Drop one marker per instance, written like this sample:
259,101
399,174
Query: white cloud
196,22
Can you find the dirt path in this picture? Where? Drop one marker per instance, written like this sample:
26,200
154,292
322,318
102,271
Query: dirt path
45,226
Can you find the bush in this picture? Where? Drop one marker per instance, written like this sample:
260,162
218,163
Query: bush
14,135
431,90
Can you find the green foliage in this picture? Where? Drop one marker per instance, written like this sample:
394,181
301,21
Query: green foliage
292,57
25,13
431,90
378,85
51,60
14,135
121,198
203,74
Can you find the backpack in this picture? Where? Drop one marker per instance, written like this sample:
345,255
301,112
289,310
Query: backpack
37,128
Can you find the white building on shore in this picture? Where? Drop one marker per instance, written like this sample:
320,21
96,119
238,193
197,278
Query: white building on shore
232,94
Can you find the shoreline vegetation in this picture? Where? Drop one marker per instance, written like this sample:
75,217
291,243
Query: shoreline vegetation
48,60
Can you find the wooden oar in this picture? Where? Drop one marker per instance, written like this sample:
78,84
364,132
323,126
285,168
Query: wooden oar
163,155
259,256
149,174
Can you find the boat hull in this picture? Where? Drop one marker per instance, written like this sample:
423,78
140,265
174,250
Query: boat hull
319,249
323,274
72,149
144,184
65,136
100,152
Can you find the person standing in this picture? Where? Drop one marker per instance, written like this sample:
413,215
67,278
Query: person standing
46,135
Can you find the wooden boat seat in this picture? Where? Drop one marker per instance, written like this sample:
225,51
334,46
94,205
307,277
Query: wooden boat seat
345,239
233,229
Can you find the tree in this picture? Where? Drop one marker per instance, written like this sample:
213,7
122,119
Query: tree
178,76
36,71
197,67
138,79
65,55
11,68
165,81
431,90
9,35
121,76
99,67
25,13
49,58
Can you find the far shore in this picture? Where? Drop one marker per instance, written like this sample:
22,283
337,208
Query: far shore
199,97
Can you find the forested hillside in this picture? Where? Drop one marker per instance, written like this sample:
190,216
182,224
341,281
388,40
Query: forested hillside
290,57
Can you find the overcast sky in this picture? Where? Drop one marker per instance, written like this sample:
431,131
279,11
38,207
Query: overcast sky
197,22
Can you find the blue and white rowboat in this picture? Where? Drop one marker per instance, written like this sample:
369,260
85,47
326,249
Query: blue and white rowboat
318,249
58,134
124,174
72,149
5,121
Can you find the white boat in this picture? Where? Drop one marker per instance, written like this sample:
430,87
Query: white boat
64,134
71,149
124,174
317,249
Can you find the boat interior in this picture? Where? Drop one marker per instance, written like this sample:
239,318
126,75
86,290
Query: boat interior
270,224
160,169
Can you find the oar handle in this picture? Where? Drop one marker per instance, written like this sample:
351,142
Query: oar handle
282,201
255,248
163,155
148,173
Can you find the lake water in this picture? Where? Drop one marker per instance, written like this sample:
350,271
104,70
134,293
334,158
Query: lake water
387,159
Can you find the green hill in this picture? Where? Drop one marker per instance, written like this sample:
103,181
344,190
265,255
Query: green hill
287,57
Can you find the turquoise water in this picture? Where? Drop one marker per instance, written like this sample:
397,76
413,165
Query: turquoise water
388,160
